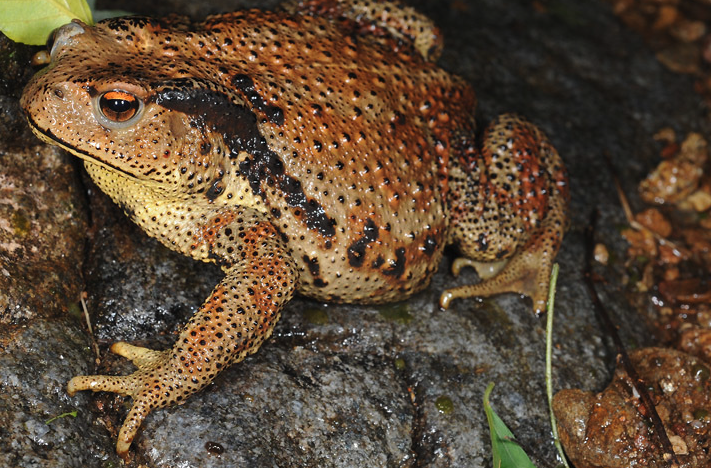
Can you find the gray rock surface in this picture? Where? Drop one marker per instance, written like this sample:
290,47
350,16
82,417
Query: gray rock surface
336,386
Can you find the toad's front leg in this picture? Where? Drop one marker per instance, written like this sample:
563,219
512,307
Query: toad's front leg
233,322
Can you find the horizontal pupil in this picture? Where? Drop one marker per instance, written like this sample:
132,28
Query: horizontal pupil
120,105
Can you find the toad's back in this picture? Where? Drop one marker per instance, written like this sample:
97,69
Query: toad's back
349,149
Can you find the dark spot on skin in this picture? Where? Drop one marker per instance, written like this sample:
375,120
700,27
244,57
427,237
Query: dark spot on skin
356,251
398,266
284,237
483,245
245,84
135,22
238,126
314,214
219,259
93,92
313,266
430,245
399,118
215,190
378,262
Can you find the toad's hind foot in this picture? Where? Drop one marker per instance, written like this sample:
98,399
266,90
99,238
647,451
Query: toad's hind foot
527,272
147,386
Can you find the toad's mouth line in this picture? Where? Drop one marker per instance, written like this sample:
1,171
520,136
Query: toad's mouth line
49,137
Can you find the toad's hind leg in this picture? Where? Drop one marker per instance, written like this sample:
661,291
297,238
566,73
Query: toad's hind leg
510,202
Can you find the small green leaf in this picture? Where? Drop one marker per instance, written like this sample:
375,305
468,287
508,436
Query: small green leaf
31,21
507,453
73,414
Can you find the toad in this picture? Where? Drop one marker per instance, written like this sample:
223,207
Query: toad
317,149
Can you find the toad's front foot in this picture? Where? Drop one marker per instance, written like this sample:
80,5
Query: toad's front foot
155,384
233,322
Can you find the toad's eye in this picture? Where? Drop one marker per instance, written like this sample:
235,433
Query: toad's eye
118,109
119,106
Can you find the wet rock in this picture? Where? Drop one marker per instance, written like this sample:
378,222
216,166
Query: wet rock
43,221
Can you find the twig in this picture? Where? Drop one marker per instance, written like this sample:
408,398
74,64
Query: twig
549,367
611,330
94,345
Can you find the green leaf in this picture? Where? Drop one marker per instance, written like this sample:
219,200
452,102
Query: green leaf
507,453
103,14
31,21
